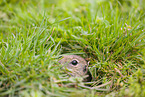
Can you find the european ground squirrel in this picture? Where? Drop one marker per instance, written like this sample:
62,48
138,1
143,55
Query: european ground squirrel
77,66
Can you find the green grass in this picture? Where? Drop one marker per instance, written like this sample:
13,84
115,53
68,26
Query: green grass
110,34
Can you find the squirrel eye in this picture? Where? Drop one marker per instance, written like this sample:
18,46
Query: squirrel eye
74,62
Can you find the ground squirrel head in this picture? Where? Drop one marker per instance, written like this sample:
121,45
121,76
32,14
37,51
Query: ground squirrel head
76,64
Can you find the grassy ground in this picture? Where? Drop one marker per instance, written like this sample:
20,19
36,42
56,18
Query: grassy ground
110,34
